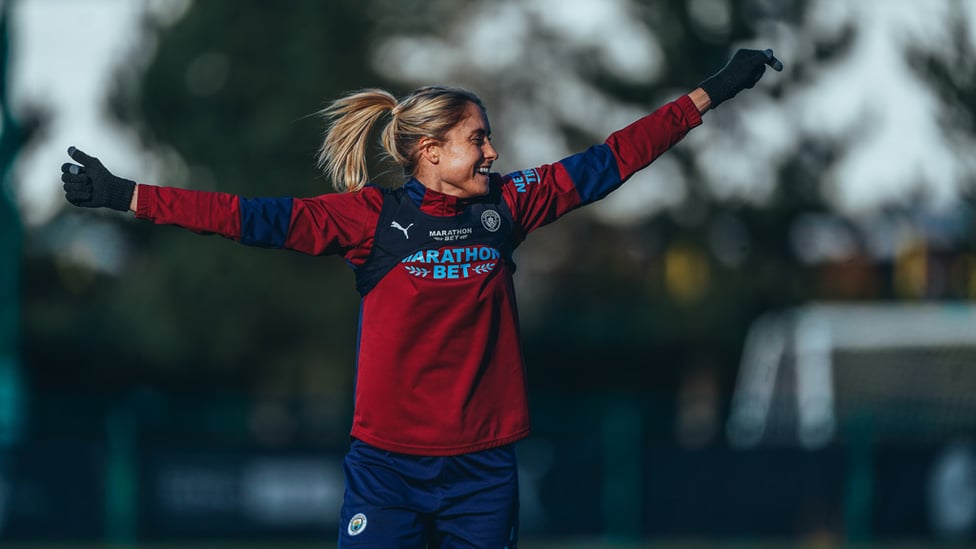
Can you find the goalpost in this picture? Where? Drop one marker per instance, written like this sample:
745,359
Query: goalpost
907,371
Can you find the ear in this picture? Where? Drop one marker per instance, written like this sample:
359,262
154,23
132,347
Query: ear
430,150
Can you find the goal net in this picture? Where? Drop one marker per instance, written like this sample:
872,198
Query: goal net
815,374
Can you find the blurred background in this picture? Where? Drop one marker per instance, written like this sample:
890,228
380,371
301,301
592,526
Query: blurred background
768,336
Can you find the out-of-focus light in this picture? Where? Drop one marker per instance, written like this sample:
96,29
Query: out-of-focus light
911,271
687,273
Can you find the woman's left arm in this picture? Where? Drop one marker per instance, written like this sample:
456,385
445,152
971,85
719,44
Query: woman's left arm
541,195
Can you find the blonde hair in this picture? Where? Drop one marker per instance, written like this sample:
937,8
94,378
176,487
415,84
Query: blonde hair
426,112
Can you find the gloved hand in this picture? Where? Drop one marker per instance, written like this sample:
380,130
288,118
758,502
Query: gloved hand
90,185
742,71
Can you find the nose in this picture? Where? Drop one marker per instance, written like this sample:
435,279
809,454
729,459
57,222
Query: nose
490,152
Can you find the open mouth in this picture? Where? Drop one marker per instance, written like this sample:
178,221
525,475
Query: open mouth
484,170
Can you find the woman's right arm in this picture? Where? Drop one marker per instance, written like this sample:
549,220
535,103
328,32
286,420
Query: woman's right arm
327,224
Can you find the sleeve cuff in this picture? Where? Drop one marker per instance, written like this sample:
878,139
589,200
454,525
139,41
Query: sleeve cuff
143,201
688,108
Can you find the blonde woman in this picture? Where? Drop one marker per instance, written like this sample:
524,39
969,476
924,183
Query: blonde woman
440,395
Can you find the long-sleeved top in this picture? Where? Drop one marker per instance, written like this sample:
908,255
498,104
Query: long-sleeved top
439,367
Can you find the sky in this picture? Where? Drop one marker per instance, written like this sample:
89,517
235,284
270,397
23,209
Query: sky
67,53
65,56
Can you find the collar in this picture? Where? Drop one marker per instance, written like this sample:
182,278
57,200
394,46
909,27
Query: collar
432,202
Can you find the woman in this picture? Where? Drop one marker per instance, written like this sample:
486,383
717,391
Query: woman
440,395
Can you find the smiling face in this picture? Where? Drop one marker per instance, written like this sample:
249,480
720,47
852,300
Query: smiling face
459,164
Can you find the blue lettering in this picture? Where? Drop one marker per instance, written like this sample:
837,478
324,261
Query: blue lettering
523,179
485,254
519,183
453,263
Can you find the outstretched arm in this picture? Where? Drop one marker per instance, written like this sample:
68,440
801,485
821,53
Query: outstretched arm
543,194
327,224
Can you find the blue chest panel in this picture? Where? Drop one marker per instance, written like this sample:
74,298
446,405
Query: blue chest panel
404,232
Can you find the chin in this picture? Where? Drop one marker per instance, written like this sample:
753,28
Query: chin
475,190
483,186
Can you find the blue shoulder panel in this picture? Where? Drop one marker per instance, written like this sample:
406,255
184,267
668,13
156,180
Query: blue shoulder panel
594,172
264,221
416,191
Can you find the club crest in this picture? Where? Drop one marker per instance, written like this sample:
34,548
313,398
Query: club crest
357,524
491,220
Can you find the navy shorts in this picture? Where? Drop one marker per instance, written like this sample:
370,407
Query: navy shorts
399,501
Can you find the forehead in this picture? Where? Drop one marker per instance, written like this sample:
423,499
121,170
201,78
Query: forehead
474,120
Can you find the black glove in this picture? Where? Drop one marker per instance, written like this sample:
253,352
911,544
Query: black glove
743,71
92,186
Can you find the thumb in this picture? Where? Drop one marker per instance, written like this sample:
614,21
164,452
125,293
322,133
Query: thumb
78,156
771,60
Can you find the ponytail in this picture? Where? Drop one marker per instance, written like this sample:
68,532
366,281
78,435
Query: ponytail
343,153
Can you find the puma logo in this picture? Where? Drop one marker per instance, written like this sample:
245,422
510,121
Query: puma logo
399,227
